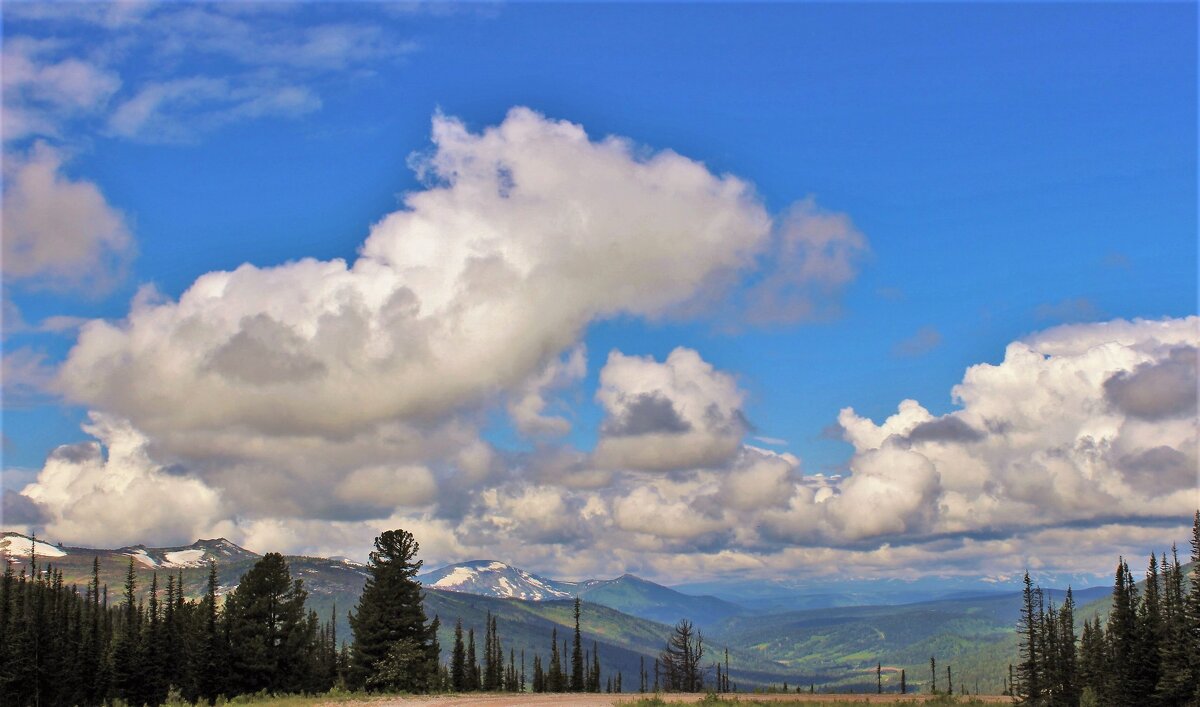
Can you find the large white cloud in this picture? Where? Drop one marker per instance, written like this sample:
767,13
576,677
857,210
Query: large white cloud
530,232
1057,431
1055,444
112,492
678,414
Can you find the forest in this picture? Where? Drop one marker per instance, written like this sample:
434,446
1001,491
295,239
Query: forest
60,645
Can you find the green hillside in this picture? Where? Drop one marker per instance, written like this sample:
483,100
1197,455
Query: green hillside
633,595
972,634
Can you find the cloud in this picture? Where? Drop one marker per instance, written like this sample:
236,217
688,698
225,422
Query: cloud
41,93
1159,389
815,253
1077,309
59,233
945,429
527,406
468,290
293,389
926,339
180,109
678,414
22,511
27,377
239,66
120,497
1056,432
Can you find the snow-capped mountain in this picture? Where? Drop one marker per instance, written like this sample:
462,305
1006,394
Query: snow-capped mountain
627,593
197,554
16,548
496,579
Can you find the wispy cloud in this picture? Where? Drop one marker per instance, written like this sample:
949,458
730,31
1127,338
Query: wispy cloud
1076,309
926,339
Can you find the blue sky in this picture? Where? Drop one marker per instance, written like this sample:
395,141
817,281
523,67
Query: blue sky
1012,167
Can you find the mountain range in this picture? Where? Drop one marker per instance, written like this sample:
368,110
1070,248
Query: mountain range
628,618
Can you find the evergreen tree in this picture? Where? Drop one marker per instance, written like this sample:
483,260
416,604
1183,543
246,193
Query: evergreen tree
681,659
1068,668
390,610
211,668
128,646
1178,669
1029,670
554,677
269,632
577,655
1124,641
490,668
472,680
458,660
903,683
1192,612
595,667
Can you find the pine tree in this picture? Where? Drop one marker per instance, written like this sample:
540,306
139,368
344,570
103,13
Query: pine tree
128,646
554,677
1068,668
472,680
595,667
390,610
269,631
577,655
933,670
681,658
1178,670
458,660
211,669
1029,669
490,668
879,678
1124,641
1193,611
903,683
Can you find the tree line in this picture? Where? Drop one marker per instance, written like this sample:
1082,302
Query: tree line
1146,653
62,646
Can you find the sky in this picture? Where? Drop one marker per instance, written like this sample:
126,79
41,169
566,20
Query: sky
694,291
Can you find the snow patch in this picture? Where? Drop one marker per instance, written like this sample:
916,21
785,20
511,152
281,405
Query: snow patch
497,566
18,545
143,557
460,576
184,558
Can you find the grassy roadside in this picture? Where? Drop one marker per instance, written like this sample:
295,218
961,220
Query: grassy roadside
751,701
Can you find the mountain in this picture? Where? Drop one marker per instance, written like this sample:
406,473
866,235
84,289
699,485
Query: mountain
634,595
627,593
495,579
973,633
334,586
629,618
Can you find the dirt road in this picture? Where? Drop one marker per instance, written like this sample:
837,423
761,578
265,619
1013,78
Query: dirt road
606,700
